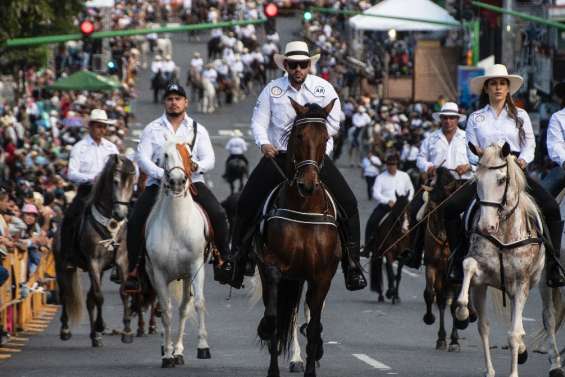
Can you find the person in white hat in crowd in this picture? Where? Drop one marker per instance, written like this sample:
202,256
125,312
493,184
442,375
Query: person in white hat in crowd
246,57
175,122
87,160
500,121
156,65
272,116
210,74
445,147
554,181
228,55
360,120
169,68
197,63
371,166
236,147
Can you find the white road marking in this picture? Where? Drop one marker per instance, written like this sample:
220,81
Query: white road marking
372,362
526,319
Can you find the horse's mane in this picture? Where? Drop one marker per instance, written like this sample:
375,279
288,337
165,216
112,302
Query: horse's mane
443,179
516,177
100,180
398,207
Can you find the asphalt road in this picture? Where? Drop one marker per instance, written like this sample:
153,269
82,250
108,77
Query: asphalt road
362,337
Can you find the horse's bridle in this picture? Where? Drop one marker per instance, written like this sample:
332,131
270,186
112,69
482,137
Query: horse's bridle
499,205
187,176
298,166
114,201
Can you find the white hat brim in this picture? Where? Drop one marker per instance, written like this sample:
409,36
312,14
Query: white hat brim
477,83
105,121
280,58
437,116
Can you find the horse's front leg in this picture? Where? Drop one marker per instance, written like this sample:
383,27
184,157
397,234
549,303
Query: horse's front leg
95,300
517,333
268,326
152,322
454,343
162,288
315,348
441,335
184,307
296,362
470,268
479,299
122,263
203,351
397,278
390,279
429,295
140,322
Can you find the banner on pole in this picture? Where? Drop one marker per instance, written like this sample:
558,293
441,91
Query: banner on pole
464,75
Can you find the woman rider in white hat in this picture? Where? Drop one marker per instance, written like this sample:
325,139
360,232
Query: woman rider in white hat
499,121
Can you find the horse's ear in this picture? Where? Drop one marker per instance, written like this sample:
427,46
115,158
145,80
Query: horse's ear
474,149
298,107
330,106
505,151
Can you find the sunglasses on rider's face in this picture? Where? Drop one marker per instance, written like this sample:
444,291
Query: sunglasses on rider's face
294,64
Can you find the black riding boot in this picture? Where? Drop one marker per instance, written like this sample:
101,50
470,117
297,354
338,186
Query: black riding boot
457,245
554,273
354,279
238,254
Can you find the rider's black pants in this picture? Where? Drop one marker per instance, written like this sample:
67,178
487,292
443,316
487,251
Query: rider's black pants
71,218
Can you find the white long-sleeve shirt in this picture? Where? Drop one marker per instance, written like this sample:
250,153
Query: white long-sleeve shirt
556,137
87,159
485,128
236,145
154,137
273,114
435,150
370,166
387,186
361,120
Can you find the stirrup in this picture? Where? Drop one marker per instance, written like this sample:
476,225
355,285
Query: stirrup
355,280
131,285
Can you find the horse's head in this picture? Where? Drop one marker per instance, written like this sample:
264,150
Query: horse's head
307,145
442,184
177,163
500,181
120,176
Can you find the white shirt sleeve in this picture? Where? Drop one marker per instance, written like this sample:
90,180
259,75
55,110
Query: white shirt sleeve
74,174
204,155
409,187
528,150
377,188
261,118
471,135
556,141
144,154
422,161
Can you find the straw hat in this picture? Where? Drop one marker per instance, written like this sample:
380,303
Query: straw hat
297,51
100,116
449,109
493,72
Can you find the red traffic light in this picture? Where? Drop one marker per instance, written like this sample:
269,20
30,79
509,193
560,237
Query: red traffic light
271,10
86,28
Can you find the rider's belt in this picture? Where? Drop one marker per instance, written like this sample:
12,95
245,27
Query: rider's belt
301,217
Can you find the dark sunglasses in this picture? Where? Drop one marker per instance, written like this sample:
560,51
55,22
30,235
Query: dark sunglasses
294,64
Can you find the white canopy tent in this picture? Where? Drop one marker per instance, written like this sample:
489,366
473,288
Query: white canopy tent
417,9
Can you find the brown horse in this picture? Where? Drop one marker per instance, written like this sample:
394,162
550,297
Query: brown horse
436,259
384,240
300,241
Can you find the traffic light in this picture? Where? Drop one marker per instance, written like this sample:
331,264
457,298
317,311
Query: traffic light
86,28
308,16
271,11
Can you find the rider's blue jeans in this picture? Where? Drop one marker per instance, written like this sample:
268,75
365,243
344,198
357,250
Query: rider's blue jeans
554,181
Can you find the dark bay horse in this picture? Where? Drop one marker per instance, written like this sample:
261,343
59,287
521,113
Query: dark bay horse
236,170
99,243
297,250
382,242
436,258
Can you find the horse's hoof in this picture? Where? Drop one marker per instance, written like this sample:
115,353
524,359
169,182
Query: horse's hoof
179,360
395,300
97,342
454,348
381,299
152,330
65,334
168,362
127,338
266,328
523,357
203,353
140,333
461,324
389,294
296,367
429,318
441,345
557,373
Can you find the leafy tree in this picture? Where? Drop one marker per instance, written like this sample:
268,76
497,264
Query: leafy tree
32,18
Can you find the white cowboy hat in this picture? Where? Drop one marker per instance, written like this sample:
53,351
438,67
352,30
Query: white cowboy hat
237,132
449,109
100,116
158,58
496,71
297,51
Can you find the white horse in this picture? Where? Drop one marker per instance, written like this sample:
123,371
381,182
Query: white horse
209,99
177,248
505,250
553,301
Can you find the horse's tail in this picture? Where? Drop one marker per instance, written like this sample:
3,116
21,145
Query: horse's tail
541,335
289,294
255,291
